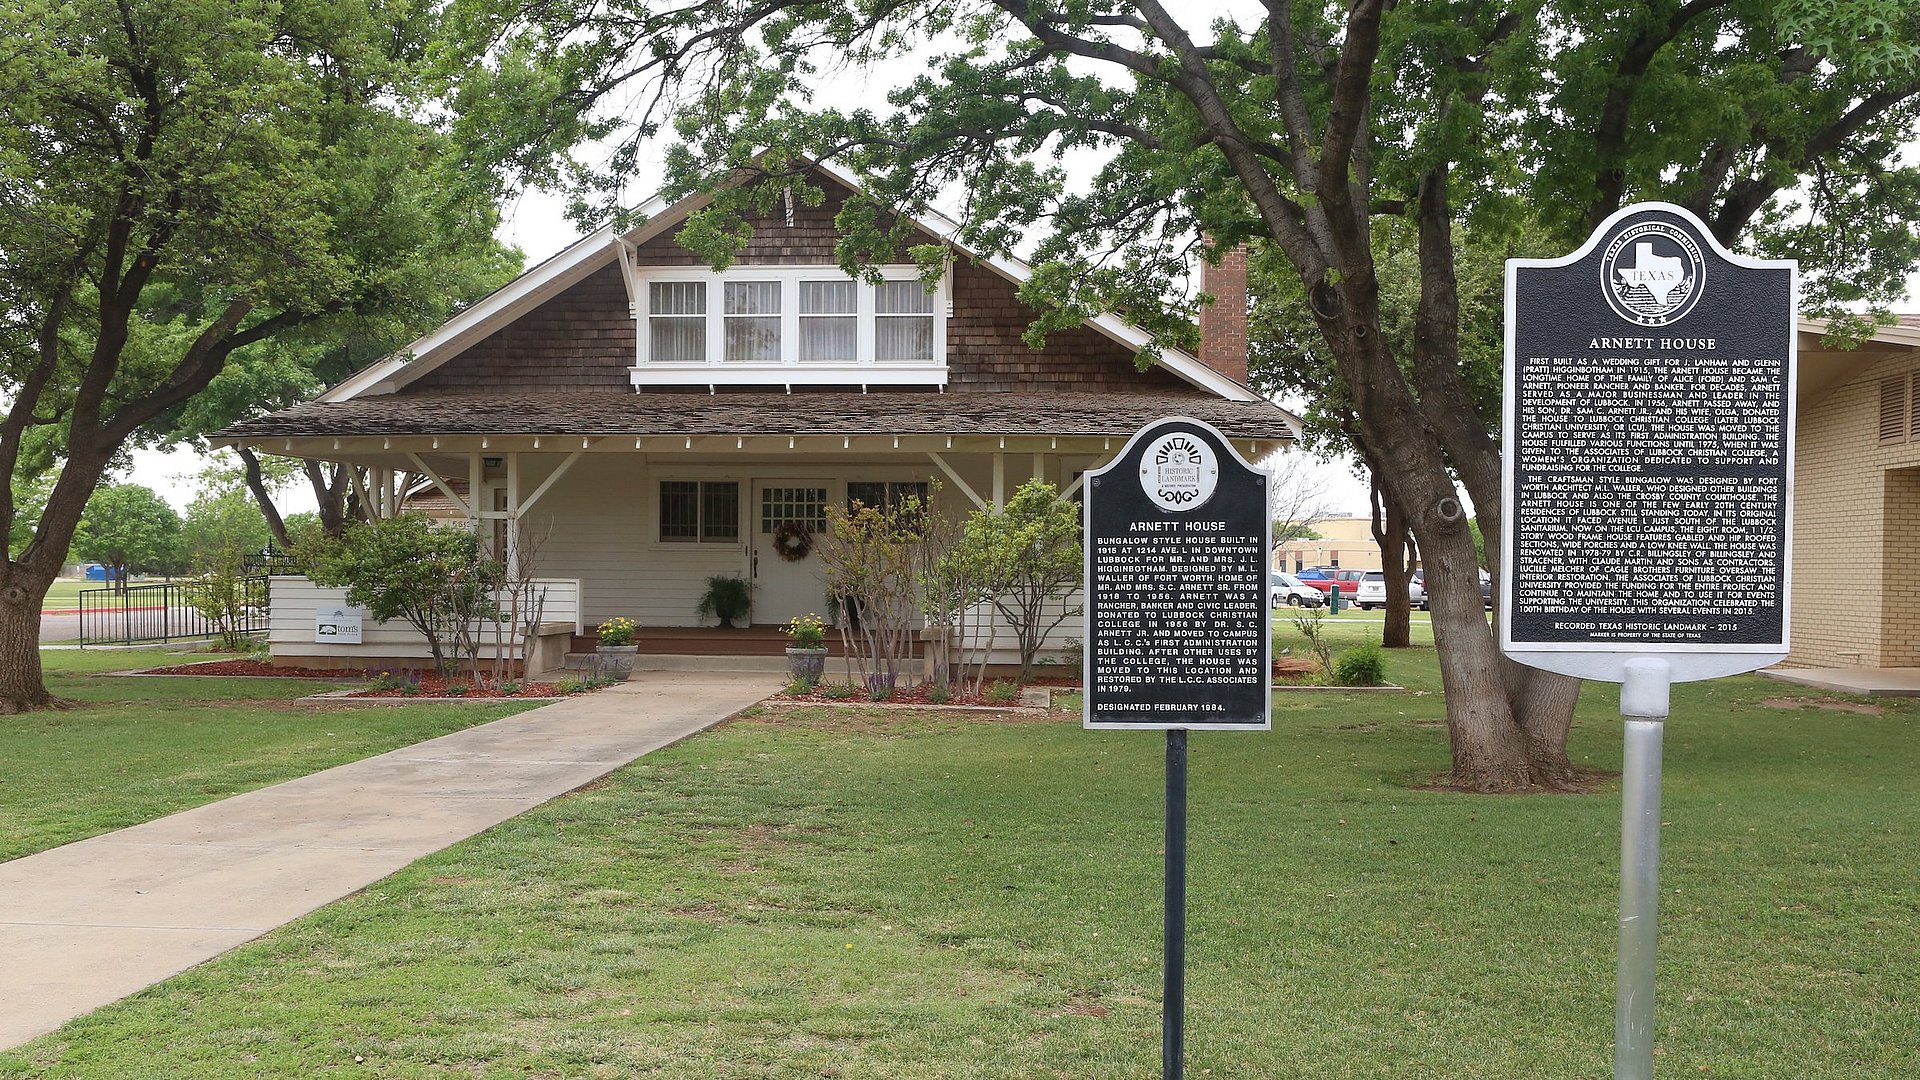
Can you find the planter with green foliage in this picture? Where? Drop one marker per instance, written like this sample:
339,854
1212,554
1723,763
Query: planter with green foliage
727,598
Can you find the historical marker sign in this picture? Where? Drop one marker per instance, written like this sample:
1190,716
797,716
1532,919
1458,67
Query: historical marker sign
1649,452
1177,541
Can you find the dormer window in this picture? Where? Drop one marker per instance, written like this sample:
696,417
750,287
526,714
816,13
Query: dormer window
788,325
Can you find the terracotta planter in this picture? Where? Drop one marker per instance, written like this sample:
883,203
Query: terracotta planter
807,665
616,661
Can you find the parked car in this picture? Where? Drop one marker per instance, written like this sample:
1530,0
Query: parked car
1290,591
1328,578
1373,590
1420,590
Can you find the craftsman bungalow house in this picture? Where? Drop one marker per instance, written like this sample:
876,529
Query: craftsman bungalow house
657,422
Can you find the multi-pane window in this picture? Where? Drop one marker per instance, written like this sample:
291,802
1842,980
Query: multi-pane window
694,511
902,321
793,324
807,505
829,320
677,320
752,312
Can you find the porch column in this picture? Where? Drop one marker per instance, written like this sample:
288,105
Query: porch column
999,482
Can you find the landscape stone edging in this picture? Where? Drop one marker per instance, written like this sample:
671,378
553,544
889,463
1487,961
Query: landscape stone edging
332,696
905,706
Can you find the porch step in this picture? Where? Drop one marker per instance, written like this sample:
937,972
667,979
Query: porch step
766,641
688,662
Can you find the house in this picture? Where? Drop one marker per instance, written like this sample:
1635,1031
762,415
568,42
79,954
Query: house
1856,512
656,422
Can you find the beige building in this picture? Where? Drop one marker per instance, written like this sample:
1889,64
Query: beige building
1345,542
1856,514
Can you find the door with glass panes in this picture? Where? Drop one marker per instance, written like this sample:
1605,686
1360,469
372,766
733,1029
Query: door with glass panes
786,585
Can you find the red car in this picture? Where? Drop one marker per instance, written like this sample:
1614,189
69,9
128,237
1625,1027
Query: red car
1328,578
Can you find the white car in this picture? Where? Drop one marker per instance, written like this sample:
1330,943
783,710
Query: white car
1290,591
1373,590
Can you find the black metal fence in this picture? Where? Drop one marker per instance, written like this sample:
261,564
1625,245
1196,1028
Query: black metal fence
163,612
270,561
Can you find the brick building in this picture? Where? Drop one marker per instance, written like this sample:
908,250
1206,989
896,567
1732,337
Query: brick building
659,422
1856,515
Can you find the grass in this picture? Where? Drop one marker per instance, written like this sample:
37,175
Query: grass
138,749
875,894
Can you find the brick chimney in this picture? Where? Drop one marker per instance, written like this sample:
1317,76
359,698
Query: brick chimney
1223,324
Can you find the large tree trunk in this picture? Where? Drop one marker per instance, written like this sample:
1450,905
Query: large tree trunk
22,686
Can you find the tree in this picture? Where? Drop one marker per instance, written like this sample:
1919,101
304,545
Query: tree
128,528
433,576
1022,558
183,182
1310,132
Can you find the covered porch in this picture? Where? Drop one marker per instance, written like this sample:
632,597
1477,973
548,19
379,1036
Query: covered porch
641,498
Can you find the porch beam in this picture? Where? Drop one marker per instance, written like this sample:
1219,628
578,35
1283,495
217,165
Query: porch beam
445,489
965,488
357,479
548,482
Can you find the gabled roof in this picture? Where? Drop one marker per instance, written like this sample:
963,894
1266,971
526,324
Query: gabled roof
601,247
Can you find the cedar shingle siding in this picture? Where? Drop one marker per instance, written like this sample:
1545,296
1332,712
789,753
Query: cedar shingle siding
580,340
583,339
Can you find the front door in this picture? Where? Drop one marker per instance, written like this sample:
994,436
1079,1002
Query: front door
787,582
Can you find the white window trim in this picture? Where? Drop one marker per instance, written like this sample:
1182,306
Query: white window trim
789,370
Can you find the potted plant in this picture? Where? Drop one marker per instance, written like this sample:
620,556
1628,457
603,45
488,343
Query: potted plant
727,598
807,655
616,650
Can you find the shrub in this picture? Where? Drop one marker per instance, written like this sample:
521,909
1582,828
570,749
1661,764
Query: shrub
838,691
456,689
408,567
939,694
799,687
1003,692
1310,626
1363,665
510,688
570,685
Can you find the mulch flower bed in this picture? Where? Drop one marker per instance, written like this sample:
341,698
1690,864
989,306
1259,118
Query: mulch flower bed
429,684
256,669
842,694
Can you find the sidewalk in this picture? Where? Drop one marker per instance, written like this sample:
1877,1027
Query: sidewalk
89,923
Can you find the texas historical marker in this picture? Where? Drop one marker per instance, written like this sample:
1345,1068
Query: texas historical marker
1648,478
1649,451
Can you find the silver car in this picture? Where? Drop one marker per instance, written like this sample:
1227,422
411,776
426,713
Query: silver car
1373,590
1290,591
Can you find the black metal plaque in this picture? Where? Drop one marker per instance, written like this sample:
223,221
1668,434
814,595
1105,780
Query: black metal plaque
1649,444
1178,632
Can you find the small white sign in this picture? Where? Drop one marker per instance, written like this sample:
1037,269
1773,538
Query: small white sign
338,625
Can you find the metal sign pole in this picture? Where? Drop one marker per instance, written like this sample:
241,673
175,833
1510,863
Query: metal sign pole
1174,983
1643,705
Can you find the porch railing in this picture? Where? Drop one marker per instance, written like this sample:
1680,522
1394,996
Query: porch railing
163,612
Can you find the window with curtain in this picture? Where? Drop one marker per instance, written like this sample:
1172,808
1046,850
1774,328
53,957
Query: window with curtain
752,313
829,321
677,321
902,321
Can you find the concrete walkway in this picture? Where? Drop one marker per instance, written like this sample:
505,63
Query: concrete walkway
1874,682
94,921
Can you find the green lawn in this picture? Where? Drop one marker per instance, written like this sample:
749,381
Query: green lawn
139,749
878,895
